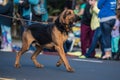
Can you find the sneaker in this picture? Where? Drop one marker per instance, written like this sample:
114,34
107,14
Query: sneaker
9,49
3,49
6,49
82,57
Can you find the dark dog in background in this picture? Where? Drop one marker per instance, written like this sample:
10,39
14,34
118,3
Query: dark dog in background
50,36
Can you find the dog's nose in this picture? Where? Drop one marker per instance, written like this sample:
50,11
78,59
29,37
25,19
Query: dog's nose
77,18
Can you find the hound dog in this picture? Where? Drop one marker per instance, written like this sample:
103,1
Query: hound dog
50,36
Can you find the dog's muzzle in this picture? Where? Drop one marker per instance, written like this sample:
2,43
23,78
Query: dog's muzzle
77,18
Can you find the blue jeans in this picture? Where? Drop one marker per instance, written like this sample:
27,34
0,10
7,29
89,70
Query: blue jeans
106,29
6,35
96,37
67,45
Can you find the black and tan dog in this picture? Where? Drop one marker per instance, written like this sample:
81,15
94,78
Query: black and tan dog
50,36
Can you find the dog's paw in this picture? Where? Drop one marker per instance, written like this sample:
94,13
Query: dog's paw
70,69
58,64
39,66
17,65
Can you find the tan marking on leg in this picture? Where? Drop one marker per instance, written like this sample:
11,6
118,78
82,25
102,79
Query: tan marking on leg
34,56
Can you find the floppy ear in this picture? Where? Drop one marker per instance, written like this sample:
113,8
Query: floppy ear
62,16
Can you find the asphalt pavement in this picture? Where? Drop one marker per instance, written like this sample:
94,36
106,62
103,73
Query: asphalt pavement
85,69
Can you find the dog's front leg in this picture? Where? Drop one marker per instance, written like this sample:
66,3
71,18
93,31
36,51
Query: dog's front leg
64,59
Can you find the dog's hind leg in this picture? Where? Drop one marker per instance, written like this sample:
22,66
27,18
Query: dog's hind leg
18,55
34,56
27,39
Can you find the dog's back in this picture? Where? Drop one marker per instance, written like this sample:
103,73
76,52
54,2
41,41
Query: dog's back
42,32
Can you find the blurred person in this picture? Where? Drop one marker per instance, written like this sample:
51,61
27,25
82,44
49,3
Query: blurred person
95,26
107,20
86,32
116,36
38,10
82,4
44,16
6,9
76,11
79,8
118,4
25,10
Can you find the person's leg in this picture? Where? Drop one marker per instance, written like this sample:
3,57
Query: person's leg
9,38
106,28
102,46
113,46
117,54
93,44
84,41
0,38
4,42
0,42
90,37
116,40
67,45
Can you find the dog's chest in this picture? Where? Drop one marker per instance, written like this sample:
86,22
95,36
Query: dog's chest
42,33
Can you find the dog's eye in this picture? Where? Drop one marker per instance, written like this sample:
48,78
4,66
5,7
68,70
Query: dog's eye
68,13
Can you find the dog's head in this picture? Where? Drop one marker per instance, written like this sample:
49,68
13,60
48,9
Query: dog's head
66,19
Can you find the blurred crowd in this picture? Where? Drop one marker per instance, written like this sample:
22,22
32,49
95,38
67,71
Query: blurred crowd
99,24
29,10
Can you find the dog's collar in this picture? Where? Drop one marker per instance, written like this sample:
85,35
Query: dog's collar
64,28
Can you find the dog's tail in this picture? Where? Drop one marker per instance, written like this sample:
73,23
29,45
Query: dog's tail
23,23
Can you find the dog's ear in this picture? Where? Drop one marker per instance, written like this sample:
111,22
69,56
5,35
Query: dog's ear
67,16
68,12
62,16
